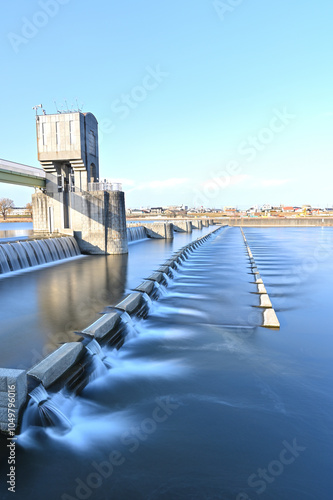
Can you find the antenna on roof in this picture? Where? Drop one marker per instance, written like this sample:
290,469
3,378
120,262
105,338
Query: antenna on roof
56,106
78,107
36,107
66,105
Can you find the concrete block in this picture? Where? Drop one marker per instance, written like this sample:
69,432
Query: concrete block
4,417
131,303
17,378
258,280
265,301
270,319
156,277
261,288
4,400
57,363
146,287
103,326
170,263
163,269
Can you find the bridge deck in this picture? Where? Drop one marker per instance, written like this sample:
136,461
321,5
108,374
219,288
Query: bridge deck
23,175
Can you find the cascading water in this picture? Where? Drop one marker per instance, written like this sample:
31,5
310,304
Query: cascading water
160,288
100,361
136,234
44,411
167,279
148,301
129,324
26,254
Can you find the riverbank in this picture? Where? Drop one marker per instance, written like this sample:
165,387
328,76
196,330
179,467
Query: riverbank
15,219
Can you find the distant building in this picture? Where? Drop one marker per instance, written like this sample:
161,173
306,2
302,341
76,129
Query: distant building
19,211
156,210
288,209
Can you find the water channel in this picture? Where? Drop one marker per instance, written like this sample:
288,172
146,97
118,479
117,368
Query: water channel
200,402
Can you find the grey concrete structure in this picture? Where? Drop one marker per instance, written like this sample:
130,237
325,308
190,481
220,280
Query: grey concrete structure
182,226
159,230
74,201
196,223
56,364
13,397
269,317
131,303
67,145
103,326
276,221
145,287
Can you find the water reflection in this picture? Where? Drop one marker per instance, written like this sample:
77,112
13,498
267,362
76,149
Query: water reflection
15,230
72,297
39,310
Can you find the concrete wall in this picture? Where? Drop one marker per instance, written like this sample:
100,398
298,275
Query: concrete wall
182,226
97,219
13,396
159,230
196,223
276,221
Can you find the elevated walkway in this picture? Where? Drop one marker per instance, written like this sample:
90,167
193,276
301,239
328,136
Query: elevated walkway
22,175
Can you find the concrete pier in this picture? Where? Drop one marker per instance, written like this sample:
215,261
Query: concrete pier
159,230
13,397
184,226
269,318
196,223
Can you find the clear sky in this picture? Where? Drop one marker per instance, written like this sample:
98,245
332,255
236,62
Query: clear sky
198,102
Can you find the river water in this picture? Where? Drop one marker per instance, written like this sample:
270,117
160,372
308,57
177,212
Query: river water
200,402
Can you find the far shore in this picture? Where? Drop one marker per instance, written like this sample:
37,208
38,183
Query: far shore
15,219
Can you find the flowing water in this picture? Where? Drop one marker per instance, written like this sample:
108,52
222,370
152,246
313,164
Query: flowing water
26,255
200,402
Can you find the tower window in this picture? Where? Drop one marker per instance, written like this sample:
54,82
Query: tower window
57,134
44,133
71,132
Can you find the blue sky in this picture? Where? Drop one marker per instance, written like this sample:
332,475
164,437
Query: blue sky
198,102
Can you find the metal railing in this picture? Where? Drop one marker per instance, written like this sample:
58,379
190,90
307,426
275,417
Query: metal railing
105,186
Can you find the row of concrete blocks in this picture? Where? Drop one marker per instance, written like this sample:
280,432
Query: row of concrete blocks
166,229
53,369
270,319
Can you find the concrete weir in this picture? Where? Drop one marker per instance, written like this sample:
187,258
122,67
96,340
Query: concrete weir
269,317
69,365
159,230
